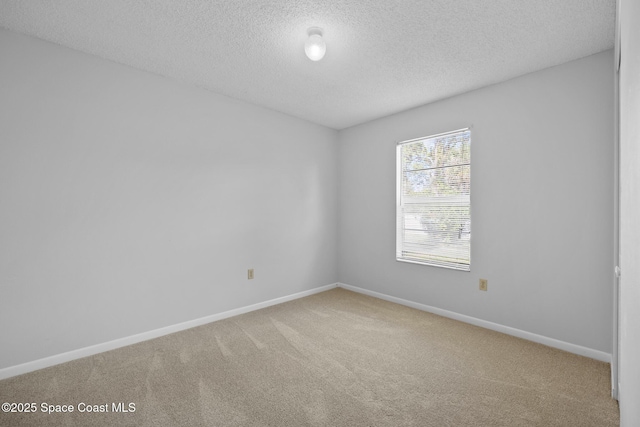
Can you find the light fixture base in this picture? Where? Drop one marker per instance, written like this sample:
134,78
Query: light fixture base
314,31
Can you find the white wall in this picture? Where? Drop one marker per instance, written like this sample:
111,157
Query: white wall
542,206
629,374
130,201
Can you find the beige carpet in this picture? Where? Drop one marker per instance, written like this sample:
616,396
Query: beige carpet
333,359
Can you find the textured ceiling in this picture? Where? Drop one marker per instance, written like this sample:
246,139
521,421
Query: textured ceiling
383,56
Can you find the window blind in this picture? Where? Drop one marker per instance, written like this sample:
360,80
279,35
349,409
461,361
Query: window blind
434,200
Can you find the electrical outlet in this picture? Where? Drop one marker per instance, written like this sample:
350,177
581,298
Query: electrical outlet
250,273
483,284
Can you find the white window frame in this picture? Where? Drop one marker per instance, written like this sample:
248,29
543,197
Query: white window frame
401,202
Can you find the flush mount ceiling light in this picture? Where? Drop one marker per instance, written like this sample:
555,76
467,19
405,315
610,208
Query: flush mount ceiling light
315,47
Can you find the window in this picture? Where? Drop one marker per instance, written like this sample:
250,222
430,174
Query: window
434,200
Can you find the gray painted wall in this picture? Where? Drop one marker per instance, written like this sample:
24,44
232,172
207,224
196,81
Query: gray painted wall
542,206
132,202
629,333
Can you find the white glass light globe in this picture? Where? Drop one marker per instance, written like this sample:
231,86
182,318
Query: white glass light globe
315,47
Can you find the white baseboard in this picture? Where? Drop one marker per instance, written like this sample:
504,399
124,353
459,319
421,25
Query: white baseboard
46,362
551,342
